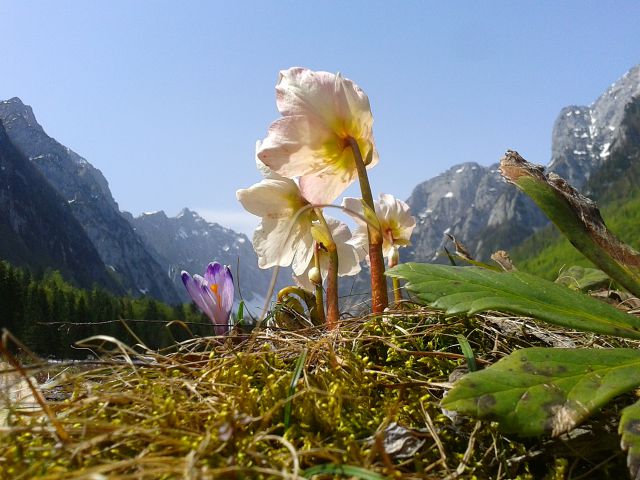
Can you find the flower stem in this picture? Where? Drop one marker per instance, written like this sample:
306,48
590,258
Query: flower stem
319,293
333,313
393,261
379,296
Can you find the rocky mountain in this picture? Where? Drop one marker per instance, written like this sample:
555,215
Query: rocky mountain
189,242
87,193
475,205
39,230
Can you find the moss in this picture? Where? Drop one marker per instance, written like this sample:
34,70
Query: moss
216,411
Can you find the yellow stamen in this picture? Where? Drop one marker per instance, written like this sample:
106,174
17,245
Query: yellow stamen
214,289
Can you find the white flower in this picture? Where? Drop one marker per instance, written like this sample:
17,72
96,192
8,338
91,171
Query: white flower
283,237
321,113
349,255
396,222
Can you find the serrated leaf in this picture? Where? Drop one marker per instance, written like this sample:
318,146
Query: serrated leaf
545,390
472,290
629,430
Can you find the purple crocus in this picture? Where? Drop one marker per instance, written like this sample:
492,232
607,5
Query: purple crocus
213,294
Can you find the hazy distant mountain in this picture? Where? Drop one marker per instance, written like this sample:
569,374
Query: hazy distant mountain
475,205
595,148
37,227
189,242
87,193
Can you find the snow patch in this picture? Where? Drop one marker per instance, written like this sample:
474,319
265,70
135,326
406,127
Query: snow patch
449,195
605,150
460,170
181,233
447,230
579,152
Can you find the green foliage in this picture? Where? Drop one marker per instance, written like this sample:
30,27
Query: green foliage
215,410
534,390
48,314
472,290
583,278
629,430
546,252
545,390
342,470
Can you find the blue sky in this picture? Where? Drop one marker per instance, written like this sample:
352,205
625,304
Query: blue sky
168,98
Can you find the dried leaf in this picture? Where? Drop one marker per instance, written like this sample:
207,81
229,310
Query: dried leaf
577,217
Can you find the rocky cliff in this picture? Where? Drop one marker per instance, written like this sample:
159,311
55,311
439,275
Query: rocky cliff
475,205
189,242
37,227
87,193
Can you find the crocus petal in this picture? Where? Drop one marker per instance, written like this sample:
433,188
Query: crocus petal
198,294
220,275
227,290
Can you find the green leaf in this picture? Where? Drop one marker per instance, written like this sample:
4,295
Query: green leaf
577,217
240,315
467,351
583,278
471,290
345,470
297,372
545,390
629,430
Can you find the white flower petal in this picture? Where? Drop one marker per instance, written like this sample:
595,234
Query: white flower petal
323,188
301,91
271,198
296,145
303,254
273,243
354,208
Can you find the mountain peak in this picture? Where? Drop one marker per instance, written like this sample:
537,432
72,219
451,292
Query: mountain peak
186,212
157,213
13,109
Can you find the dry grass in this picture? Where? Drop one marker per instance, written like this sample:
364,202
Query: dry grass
367,396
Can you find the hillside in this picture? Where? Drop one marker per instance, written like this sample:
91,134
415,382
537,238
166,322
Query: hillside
616,188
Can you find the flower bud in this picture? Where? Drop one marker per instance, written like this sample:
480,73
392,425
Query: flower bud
314,276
